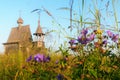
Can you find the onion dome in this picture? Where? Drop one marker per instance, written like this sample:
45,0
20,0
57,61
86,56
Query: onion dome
20,20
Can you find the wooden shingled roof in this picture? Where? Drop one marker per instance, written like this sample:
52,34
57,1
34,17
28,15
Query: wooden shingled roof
19,34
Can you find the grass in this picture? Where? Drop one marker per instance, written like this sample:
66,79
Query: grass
93,60
91,66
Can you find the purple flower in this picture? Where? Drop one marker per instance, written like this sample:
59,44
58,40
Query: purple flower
60,77
115,37
84,31
104,42
47,59
29,58
39,57
83,40
73,42
91,37
110,34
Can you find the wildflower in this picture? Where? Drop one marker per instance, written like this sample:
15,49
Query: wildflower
104,42
29,58
39,57
115,37
73,42
83,40
60,77
47,59
84,31
73,47
98,31
110,34
91,37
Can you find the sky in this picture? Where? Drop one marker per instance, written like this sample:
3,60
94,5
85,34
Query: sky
11,10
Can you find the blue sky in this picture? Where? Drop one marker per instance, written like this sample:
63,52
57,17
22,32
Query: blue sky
10,13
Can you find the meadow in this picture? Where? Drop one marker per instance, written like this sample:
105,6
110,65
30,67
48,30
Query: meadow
93,54
93,57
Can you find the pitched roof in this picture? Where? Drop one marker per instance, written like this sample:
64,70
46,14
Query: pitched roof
39,29
19,34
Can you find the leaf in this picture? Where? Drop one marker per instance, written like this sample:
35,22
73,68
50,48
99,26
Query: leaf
57,51
47,12
69,37
93,72
16,75
115,14
82,5
35,10
81,20
63,8
50,32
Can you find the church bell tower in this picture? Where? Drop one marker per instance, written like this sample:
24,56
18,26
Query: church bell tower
39,36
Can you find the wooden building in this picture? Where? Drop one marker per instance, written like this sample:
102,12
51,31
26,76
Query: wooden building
20,37
39,36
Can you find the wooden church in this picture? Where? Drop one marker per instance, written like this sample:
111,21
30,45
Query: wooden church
20,38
